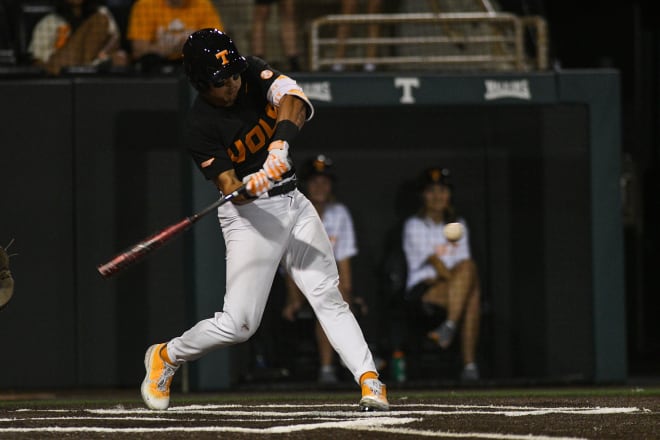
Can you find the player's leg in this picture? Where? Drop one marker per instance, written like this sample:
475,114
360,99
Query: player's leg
255,240
311,264
310,261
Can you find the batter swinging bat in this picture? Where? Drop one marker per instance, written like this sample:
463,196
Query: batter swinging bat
135,253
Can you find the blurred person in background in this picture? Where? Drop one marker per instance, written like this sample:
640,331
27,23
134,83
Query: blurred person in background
157,29
318,178
286,10
442,276
349,7
77,33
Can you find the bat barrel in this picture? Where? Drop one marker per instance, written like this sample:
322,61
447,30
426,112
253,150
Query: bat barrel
137,252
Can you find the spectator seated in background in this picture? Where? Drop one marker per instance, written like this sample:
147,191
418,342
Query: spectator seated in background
442,276
318,179
286,10
157,30
78,33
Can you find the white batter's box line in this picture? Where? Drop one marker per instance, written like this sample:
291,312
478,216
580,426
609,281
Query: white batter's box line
402,410
345,424
472,435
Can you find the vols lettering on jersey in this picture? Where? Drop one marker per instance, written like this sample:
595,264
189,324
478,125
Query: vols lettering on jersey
256,138
220,139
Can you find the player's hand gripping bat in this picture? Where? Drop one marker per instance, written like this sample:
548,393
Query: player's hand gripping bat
138,251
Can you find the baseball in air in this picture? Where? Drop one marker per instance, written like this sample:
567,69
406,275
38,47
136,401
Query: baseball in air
453,231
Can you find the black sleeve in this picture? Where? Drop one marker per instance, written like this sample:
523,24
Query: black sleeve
262,72
205,147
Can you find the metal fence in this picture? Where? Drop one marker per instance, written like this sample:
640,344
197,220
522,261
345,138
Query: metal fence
474,40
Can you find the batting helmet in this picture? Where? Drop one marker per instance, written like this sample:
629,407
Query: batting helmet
209,57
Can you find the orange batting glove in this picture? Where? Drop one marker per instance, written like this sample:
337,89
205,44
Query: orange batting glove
257,183
277,163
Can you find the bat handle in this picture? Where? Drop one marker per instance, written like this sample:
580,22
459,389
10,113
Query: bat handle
221,201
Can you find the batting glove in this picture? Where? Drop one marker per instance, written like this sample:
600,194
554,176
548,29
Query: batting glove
277,163
257,183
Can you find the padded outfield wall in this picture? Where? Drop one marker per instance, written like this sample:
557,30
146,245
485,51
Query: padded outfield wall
535,160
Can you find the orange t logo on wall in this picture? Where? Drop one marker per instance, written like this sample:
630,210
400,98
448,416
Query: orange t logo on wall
223,54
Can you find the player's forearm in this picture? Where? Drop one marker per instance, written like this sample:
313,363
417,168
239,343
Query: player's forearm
292,109
228,182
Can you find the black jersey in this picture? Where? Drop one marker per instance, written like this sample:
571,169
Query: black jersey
222,138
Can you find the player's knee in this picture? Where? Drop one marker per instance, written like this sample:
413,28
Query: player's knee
244,331
237,330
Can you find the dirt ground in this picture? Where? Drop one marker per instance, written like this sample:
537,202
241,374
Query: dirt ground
490,414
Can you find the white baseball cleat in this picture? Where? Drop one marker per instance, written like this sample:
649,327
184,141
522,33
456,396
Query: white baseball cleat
374,396
156,384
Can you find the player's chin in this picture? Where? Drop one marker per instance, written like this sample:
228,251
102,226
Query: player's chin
232,96
228,102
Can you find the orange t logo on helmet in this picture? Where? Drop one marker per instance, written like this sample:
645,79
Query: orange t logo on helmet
223,54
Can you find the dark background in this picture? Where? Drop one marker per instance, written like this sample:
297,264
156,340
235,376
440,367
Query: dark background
624,35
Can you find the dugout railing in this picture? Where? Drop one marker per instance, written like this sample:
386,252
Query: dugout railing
474,40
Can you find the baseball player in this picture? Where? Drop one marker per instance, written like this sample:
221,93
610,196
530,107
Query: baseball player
442,273
238,132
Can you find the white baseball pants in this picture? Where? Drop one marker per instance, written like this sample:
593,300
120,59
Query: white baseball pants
259,235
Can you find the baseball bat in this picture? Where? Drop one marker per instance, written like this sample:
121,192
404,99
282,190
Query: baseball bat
157,240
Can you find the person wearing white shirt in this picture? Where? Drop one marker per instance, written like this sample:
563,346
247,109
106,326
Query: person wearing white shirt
442,273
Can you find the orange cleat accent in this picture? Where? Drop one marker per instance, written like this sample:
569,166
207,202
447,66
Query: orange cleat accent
156,384
374,396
